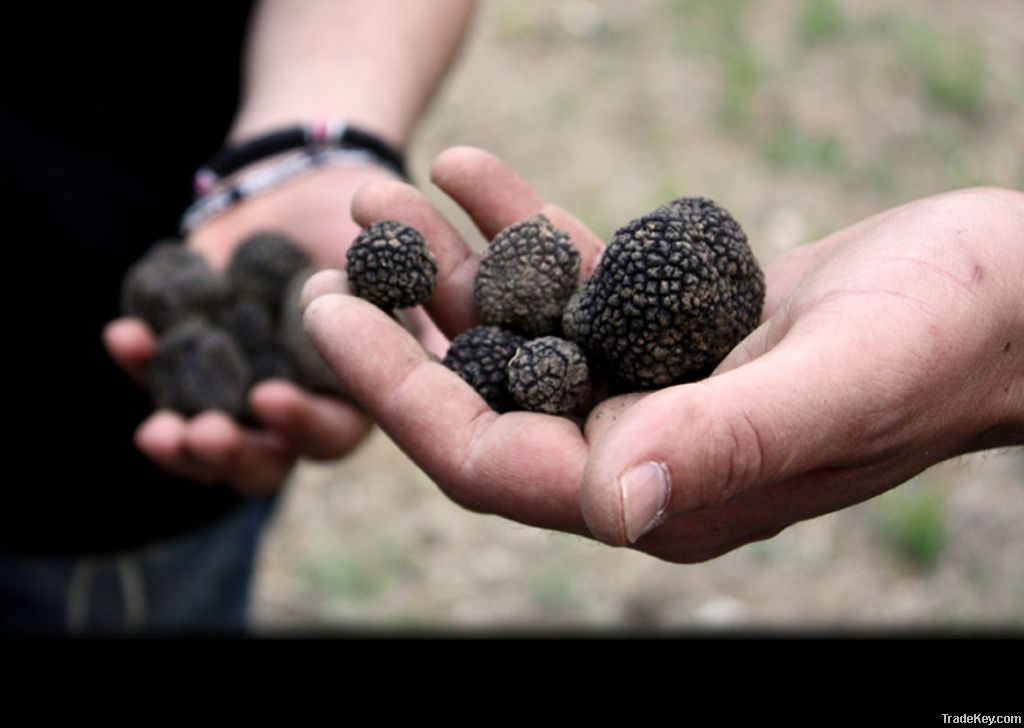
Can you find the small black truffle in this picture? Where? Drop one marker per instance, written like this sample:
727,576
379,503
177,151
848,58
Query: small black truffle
255,330
262,266
309,368
170,284
390,265
673,293
198,367
270,362
549,375
527,275
480,356
251,323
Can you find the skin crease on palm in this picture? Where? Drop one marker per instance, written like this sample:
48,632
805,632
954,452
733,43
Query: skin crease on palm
884,348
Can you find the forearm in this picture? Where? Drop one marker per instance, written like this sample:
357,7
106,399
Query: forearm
374,63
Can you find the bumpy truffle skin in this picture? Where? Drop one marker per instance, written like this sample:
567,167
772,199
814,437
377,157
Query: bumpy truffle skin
674,292
549,375
310,369
251,323
480,356
198,367
732,257
171,284
269,363
526,277
390,265
262,266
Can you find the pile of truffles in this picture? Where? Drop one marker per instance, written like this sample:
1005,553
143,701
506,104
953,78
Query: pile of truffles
221,333
673,293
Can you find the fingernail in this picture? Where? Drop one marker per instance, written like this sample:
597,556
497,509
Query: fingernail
645,489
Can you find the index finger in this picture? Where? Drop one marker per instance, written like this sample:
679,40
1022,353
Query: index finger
495,196
521,465
130,343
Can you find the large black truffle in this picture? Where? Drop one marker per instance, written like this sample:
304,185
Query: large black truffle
262,266
673,293
480,356
198,367
170,284
549,375
390,265
526,276
309,368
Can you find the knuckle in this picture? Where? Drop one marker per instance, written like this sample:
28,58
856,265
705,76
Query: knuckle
733,455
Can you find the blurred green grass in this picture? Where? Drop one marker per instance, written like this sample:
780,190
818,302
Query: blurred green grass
912,523
820,21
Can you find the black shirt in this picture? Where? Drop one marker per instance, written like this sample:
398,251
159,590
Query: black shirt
107,110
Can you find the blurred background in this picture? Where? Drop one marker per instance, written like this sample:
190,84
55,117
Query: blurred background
800,117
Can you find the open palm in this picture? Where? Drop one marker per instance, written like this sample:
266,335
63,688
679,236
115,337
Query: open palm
211,447
883,349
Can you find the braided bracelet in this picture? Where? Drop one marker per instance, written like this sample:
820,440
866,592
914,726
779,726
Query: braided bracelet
318,135
266,178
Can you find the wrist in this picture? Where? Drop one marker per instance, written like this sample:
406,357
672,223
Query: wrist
1000,273
1008,392
1009,350
259,164
254,120
314,209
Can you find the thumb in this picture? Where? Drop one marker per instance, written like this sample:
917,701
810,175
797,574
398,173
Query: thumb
698,445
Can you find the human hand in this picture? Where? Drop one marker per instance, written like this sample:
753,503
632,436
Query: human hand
884,348
211,447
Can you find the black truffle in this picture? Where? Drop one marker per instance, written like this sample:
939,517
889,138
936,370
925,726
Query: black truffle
309,368
390,265
171,284
262,266
732,256
198,367
270,362
549,375
251,323
480,356
255,330
673,293
527,275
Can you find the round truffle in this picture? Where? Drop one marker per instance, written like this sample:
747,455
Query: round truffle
732,256
269,363
549,375
390,265
171,284
198,367
262,266
310,370
480,356
526,276
673,293
252,325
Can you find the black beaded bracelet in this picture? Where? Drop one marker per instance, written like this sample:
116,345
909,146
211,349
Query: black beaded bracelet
266,177
319,134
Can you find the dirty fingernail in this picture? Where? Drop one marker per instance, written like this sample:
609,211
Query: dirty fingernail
645,490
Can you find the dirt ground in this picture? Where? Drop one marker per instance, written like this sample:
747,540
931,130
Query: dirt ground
799,117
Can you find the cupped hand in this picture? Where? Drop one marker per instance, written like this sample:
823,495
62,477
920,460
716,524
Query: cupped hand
884,348
211,447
